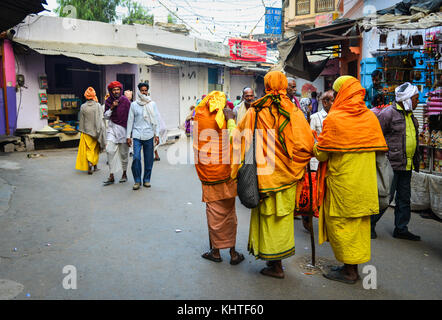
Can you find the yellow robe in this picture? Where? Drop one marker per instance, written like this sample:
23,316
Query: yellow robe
351,198
88,151
271,235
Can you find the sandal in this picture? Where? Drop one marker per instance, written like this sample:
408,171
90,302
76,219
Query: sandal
238,260
108,182
122,180
209,256
157,159
338,276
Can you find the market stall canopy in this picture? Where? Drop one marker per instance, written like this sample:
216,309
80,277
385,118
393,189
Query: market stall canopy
410,7
406,15
101,55
319,41
192,59
13,12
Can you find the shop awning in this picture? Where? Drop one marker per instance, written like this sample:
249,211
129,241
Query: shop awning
12,12
102,55
192,59
316,41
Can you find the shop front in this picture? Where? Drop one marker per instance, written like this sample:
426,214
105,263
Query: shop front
415,56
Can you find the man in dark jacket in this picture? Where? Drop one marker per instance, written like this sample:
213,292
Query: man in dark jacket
400,129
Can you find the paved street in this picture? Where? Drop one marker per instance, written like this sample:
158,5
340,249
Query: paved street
124,243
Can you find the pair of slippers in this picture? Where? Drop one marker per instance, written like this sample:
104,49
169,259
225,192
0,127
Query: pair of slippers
209,256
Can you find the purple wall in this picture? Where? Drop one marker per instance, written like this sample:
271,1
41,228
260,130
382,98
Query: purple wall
28,106
2,114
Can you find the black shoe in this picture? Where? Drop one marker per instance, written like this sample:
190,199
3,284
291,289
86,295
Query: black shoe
373,234
407,235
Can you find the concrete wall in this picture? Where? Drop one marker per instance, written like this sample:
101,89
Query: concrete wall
237,84
55,29
28,107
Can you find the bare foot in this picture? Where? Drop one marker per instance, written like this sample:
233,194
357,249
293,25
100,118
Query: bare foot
272,272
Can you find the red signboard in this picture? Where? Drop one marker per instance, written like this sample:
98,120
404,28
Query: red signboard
247,50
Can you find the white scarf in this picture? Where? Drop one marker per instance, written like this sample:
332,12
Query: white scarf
404,93
148,111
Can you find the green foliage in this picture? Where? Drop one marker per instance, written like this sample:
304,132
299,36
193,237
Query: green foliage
171,19
95,10
136,13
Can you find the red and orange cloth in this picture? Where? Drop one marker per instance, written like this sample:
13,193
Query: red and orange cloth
287,141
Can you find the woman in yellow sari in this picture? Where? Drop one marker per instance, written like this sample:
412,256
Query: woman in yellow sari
284,146
92,139
347,148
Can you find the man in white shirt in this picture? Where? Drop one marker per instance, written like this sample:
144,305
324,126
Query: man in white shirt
143,127
317,120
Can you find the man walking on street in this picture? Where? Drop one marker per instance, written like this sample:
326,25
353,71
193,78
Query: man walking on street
241,109
143,126
400,129
116,111
93,136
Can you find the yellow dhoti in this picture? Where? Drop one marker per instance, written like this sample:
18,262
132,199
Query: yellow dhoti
271,235
88,151
348,237
350,199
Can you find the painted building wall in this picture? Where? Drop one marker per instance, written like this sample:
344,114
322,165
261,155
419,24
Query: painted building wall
111,72
165,91
188,90
28,106
239,82
9,86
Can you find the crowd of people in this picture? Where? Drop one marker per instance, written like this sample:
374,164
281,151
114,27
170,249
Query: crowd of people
339,142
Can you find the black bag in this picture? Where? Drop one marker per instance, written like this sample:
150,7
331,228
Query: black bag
247,186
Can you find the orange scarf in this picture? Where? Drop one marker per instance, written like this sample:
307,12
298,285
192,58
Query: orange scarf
90,94
284,135
211,149
350,126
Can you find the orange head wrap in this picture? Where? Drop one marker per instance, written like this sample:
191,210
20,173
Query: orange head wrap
276,83
90,94
350,126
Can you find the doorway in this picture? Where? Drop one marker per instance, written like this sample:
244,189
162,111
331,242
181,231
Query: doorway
127,80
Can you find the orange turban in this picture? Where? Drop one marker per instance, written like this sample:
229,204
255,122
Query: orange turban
90,94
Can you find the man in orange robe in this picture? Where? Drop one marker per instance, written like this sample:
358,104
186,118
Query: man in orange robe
212,163
284,146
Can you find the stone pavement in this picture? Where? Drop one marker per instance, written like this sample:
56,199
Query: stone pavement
125,245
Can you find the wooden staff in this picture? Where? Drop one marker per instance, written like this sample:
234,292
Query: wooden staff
310,218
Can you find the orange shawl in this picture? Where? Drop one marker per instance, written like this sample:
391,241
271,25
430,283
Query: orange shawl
284,143
350,126
211,144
